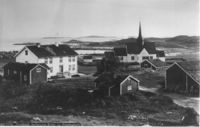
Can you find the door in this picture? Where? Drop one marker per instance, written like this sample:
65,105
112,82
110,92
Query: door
61,68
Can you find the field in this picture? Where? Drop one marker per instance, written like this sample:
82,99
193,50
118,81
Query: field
87,69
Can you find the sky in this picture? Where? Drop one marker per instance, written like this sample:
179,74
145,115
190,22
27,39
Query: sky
75,18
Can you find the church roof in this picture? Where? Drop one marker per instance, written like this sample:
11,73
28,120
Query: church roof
120,51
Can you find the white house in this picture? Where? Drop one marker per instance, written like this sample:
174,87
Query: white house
136,51
61,59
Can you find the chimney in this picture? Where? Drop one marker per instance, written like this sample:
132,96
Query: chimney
38,45
56,44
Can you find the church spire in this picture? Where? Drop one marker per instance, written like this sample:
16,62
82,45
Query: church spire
140,39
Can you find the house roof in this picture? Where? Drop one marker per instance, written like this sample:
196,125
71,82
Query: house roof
135,48
192,68
160,53
120,51
51,50
156,62
23,66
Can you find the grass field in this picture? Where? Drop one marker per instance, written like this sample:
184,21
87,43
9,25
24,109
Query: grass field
87,69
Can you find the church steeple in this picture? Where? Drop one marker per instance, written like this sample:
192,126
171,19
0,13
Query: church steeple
140,39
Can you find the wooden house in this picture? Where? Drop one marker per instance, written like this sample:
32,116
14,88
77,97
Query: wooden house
183,77
26,74
118,85
154,64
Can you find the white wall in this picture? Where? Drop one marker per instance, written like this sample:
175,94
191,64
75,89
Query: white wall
162,58
90,51
145,53
30,58
55,65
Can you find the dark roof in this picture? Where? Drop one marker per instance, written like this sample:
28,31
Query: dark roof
191,67
157,62
23,66
109,54
87,57
52,50
160,53
135,48
120,51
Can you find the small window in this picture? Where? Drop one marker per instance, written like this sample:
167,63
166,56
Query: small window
151,57
51,69
129,88
38,70
145,57
25,77
69,67
14,72
46,60
73,67
132,57
50,60
69,59
73,59
26,52
61,59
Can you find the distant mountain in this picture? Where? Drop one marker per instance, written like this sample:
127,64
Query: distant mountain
95,38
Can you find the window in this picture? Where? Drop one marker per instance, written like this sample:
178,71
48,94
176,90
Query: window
151,57
69,67
38,70
25,77
26,52
46,60
145,57
132,57
14,72
73,59
69,59
129,88
51,69
73,67
61,59
50,60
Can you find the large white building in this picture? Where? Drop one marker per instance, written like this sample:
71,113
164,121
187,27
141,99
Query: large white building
137,51
61,59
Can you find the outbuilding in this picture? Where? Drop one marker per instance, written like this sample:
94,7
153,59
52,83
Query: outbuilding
154,64
26,74
118,85
183,77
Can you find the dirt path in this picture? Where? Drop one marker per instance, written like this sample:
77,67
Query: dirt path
181,100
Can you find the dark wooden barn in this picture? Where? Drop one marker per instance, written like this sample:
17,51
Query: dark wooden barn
154,64
25,73
118,85
183,77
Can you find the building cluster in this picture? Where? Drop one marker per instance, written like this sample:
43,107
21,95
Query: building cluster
38,63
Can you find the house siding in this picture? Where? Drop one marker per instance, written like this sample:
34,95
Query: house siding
23,58
38,76
177,80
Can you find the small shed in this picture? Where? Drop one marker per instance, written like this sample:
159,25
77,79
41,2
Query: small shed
118,85
154,64
183,77
24,73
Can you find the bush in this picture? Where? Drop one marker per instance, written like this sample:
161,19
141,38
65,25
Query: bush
12,89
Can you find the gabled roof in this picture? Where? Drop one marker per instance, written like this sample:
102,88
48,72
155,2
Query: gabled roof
192,68
156,62
120,51
160,53
51,50
135,48
25,67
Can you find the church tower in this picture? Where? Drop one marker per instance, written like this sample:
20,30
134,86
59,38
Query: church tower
140,40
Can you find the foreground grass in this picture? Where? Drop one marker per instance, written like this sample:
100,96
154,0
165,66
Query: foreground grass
86,109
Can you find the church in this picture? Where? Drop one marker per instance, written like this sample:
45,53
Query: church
136,52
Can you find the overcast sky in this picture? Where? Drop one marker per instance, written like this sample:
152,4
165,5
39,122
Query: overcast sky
74,18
